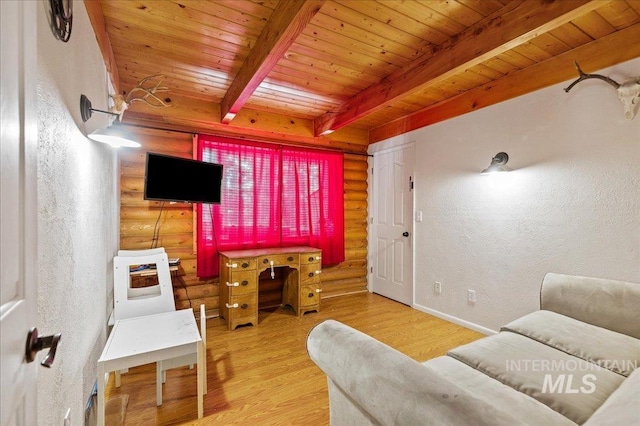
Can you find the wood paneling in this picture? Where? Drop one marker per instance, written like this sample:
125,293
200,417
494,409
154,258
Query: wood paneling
475,44
138,219
351,65
194,115
263,376
617,47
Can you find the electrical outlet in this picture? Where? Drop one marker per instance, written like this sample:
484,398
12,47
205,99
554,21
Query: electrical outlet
437,287
471,296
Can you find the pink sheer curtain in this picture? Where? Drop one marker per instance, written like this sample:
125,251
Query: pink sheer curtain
313,201
271,197
249,214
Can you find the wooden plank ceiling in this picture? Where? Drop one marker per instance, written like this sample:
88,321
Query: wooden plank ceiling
370,69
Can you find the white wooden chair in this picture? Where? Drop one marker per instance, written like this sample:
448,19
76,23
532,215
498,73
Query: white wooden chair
144,252
132,302
135,302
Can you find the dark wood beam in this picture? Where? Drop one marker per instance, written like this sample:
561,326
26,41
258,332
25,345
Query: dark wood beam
100,29
287,21
605,52
511,26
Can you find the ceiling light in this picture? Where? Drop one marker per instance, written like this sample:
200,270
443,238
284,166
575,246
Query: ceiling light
114,135
498,164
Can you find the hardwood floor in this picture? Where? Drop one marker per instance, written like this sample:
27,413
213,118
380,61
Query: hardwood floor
263,376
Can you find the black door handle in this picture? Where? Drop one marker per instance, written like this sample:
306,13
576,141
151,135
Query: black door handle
36,343
405,234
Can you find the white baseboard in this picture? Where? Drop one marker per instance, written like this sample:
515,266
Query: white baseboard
455,320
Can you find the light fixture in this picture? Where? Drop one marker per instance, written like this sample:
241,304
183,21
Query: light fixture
114,135
498,163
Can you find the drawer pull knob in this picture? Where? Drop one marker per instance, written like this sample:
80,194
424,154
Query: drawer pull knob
265,261
310,295
310,258
245,265
244,306
318,290
245,283
235,305
311,274
236,284
232,265
290,258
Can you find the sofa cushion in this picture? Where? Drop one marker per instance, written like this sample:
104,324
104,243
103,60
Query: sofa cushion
606,303
495,393
622,407
573,387
620,354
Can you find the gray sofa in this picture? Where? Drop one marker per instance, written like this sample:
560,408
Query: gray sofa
572,362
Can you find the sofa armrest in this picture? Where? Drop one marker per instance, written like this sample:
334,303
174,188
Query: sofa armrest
614,305
370,381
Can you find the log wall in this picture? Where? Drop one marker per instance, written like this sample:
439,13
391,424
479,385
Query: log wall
176,223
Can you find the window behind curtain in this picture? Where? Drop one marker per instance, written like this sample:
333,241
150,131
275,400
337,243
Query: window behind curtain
271,197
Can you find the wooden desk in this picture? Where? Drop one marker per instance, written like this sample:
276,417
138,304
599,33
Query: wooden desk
239,278
149,339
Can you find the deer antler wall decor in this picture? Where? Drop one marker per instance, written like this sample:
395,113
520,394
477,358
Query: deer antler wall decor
628,92
142,94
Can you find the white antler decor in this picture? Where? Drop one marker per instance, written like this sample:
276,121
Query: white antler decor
628,92
140,93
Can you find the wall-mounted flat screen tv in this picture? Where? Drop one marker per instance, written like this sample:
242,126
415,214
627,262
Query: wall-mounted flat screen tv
179,179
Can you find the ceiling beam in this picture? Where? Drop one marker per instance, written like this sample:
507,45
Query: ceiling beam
607,51
285,24
102,37
509,27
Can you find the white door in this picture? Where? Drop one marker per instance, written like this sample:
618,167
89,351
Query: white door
18,226
392,224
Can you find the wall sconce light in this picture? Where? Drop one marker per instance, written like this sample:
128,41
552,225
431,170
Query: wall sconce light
498,164
114,135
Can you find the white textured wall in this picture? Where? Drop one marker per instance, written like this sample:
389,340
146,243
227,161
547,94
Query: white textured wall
77,216
572,204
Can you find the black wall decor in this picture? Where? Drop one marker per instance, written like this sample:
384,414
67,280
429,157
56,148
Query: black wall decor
61,18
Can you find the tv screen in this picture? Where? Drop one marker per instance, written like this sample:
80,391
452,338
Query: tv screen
179,179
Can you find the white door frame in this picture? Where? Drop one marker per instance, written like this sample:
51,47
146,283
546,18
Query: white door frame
383,148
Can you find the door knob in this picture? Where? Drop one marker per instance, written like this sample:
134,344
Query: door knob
36,343
405,234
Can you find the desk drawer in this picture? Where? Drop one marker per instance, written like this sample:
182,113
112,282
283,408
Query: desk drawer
242,264
310,273
279,260
310,257
241,282
309,295
247,308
